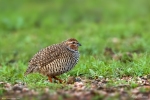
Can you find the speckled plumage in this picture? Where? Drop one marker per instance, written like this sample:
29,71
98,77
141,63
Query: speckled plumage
56,59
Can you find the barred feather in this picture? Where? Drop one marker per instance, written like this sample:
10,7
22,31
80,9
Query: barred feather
56,59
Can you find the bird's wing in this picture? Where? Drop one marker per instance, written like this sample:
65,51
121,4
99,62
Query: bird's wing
44,57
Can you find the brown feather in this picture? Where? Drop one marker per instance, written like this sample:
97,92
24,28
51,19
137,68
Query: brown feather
55,60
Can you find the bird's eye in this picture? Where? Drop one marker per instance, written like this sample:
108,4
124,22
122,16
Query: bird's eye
73,42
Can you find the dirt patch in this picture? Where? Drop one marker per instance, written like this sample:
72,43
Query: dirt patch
84,89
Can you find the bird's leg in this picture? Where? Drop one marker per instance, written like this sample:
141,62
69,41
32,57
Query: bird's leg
60,81
50,79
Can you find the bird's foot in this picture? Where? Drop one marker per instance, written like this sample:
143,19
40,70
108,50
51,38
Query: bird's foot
60,81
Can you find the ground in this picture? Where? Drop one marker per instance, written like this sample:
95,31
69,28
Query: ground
114,61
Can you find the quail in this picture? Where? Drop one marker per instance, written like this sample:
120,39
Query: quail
55,60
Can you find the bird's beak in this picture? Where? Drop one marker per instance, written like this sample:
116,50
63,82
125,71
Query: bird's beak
79,44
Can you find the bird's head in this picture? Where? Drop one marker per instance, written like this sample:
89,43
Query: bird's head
72,44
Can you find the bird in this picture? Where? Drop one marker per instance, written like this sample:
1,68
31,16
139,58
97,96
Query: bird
55,59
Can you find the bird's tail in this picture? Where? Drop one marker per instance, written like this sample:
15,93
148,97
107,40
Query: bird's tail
31,69
28,71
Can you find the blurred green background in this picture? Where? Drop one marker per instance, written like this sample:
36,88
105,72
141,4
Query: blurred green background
26,26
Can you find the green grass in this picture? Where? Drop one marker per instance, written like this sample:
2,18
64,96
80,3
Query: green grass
27,26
